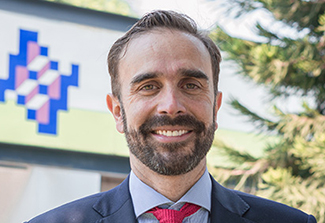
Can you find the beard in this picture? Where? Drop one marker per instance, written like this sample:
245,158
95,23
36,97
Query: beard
173,158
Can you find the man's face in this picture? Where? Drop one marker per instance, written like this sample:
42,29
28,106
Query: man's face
167,108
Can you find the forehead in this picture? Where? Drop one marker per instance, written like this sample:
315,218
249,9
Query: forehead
165,51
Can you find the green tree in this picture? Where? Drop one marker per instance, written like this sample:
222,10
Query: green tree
291,171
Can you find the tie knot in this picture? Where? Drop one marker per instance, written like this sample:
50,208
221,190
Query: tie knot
174,216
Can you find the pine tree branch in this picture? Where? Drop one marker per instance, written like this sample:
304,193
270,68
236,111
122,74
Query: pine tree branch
234,155
304,124
261,123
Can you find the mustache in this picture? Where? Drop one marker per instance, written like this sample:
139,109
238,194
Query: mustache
181,120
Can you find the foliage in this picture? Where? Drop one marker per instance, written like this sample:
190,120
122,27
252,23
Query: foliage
291,171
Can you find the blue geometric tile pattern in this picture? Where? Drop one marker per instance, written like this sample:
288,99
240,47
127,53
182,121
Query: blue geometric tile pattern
38,83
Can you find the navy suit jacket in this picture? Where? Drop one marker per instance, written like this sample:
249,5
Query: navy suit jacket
228,206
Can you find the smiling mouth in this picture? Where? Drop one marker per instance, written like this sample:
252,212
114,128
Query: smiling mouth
171,133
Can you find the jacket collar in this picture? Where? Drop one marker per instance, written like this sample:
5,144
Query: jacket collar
116,205
227,206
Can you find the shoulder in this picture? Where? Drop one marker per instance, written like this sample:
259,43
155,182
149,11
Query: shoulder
88,209
80,210
264,210
256,209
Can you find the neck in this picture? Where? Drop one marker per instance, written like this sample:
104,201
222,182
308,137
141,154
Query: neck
172,187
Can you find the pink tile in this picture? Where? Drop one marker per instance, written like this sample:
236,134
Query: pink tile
54,89
33,50
21,75
42,114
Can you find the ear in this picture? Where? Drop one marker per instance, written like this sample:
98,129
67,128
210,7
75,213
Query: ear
218,105
114,106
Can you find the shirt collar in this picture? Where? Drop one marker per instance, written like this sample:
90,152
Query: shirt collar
199,194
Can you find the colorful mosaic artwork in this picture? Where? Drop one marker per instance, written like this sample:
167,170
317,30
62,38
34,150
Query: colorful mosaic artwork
38,83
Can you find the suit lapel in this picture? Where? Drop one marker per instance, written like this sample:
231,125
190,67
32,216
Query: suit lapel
227,206
116,205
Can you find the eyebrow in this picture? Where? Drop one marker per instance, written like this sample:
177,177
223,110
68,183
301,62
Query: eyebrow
142,77
184,72
194,73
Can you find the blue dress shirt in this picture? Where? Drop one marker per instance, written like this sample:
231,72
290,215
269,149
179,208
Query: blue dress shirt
145,198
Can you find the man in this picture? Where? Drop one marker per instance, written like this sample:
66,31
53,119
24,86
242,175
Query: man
165,100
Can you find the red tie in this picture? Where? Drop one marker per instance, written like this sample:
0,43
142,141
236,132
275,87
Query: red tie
174,216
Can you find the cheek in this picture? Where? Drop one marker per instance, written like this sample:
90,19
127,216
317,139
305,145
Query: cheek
138,113
203,111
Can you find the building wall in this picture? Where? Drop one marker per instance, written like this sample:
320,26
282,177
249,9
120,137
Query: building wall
28,190
53,153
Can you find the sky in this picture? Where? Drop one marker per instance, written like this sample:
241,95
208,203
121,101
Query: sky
199,10
207,13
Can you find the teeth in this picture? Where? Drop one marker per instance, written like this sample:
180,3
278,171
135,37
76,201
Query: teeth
171,133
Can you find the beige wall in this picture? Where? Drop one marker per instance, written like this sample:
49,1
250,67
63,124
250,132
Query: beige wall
26,191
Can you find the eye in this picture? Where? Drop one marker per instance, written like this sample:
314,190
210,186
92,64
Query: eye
149,87
190,86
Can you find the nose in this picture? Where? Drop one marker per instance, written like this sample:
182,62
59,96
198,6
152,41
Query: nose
170,103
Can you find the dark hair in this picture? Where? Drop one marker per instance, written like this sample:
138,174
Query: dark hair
161,19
